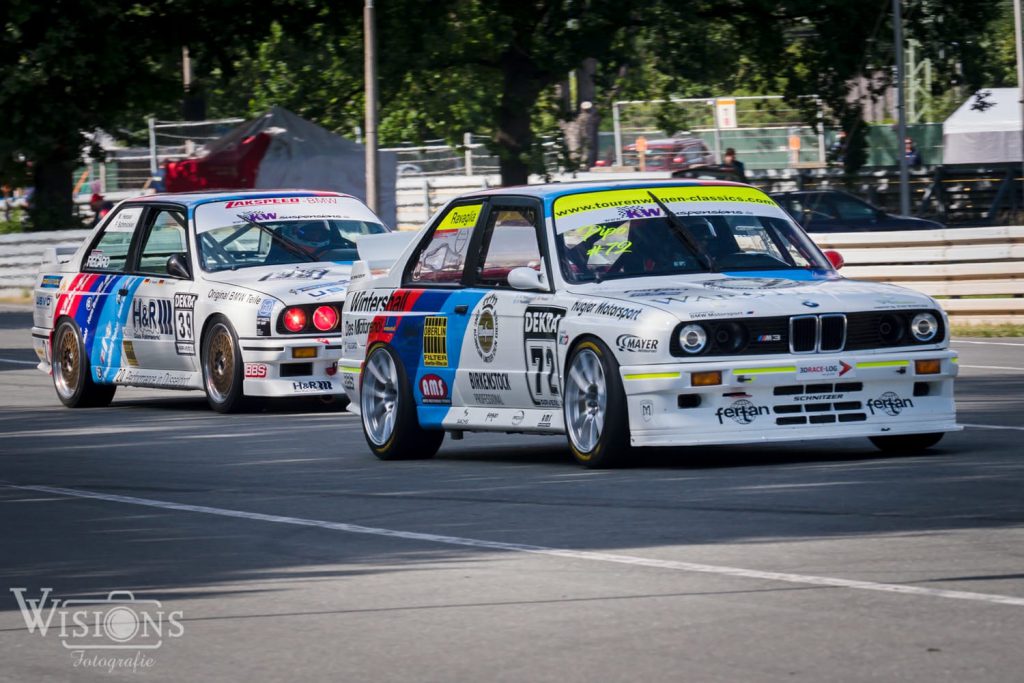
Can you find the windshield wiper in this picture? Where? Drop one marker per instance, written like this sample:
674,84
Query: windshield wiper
281,239
688,239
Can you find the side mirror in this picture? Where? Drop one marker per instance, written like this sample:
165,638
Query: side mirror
527,279
835,258
177,265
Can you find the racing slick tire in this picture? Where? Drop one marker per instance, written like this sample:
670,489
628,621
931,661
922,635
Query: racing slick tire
72,373
906,443
222,368
388,411
594,406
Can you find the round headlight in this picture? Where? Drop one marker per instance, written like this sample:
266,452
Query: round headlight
924,327
693,338
891,328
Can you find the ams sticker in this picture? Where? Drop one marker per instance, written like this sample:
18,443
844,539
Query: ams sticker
540,336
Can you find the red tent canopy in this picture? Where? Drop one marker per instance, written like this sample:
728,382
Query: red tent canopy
232,167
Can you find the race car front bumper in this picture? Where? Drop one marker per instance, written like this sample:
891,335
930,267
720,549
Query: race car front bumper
791,398
291,367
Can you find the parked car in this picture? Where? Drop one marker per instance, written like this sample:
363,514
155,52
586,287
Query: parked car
667,154
235,293
837,211
633,314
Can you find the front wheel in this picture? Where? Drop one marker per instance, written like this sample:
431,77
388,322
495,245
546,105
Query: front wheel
222,368
390,424
906,444
596,417
72,374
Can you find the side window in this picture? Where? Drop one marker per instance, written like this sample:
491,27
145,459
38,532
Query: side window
853,210
512,244
443,258
109,254
166,236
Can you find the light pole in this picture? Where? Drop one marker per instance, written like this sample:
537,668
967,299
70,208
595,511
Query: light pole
370,76
1018,34
901,109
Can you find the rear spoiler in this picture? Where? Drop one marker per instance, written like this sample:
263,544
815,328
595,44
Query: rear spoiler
381,251
61,253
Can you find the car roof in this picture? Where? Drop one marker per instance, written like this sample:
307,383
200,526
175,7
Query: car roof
551,191
193,199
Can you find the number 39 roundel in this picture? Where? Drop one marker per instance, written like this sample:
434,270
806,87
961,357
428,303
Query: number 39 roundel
540,337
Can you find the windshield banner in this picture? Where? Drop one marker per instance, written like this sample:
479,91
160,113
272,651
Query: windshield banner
590,208
269,209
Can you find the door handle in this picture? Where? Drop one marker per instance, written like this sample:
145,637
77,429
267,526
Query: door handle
461,309
123,291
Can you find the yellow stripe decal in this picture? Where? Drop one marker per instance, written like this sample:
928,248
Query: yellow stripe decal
884,364
655,375
955,359
764,371
347,369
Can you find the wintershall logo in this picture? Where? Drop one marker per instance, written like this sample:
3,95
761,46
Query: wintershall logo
114,633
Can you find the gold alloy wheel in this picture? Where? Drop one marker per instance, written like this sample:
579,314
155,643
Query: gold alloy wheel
220,363
68,362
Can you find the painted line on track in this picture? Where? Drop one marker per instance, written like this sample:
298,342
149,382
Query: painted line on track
19,362
593,556
1017,429
987,343
991,367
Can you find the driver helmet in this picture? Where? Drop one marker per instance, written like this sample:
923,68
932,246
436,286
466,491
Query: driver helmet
311,235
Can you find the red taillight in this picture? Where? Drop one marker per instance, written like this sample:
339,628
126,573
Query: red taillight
294,319
325,318
678,160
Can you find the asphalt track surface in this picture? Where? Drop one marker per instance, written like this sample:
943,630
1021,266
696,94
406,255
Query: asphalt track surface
285,551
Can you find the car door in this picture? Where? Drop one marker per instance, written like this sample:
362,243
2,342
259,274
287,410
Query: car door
98,298
505,363
432,309
160,327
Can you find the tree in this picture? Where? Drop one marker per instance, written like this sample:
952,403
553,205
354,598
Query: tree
73,66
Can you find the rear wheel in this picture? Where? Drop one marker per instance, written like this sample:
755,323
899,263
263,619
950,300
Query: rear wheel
389,419
596,418
222,368
906,443
72,373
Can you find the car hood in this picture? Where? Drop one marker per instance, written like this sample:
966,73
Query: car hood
769,293
299,283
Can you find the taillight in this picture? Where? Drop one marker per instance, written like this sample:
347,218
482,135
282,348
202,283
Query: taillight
295,319
325,318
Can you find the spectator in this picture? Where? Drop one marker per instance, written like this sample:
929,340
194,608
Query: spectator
913,156
733,165
837,152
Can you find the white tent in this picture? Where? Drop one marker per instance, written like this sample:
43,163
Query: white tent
992,135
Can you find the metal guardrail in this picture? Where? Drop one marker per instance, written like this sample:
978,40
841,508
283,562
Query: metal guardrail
978,273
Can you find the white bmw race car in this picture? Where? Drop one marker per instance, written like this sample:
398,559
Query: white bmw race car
235,293
637,314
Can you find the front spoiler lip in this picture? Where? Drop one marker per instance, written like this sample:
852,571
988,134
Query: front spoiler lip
670,437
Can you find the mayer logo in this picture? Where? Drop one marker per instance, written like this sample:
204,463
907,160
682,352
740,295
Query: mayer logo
485,331
434,389
631,342
742,412
889,403
152,317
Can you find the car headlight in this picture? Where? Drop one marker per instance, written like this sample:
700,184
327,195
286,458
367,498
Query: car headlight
693,338
924,327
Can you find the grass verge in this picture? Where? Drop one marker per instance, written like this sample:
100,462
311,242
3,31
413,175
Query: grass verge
1001,330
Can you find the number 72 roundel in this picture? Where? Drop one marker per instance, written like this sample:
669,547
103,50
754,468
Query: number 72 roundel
540,337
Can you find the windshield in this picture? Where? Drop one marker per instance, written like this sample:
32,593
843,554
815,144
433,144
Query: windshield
709,232
245,246
270,231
